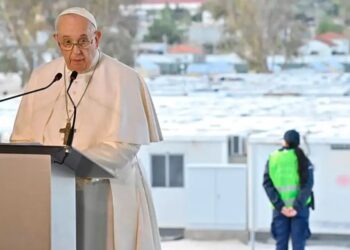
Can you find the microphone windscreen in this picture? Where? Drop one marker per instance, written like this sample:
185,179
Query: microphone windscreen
74,75
58,76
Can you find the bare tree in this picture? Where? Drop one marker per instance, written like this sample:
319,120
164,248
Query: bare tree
258,28
25,19
343,7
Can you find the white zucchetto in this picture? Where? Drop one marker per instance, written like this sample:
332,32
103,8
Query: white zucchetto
78,11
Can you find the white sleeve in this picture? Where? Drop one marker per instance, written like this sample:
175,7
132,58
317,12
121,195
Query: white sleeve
112,156
22,131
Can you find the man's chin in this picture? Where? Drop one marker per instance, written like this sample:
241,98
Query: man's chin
77,67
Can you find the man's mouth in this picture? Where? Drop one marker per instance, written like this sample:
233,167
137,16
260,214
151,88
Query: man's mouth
77,60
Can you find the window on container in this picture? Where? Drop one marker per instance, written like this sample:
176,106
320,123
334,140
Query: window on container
176,170
167,170
158,170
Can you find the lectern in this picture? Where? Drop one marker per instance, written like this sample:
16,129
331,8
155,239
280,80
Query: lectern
38,195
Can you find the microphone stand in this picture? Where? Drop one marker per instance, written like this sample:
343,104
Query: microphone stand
58,76
68,145
71,131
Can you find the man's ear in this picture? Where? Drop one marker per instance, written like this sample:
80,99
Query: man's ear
55,36
98,35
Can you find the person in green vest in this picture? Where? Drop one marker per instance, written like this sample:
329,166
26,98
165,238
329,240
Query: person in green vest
288,182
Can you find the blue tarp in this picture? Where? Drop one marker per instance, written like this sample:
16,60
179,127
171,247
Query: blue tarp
210,68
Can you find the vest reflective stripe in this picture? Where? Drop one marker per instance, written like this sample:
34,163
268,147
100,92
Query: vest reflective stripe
283,171
289,202
287,188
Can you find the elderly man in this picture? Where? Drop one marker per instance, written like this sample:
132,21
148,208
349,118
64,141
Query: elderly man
115,115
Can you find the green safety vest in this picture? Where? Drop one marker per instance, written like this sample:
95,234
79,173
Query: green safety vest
283,171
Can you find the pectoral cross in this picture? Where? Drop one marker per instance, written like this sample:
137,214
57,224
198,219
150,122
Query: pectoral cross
66,131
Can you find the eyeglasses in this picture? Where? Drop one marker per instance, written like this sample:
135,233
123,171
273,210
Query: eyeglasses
68,43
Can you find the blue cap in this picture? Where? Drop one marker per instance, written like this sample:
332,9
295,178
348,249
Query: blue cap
292,137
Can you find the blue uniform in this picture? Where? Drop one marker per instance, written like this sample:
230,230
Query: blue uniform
282,227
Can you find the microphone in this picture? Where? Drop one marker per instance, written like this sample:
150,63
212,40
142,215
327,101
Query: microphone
57,77
73,76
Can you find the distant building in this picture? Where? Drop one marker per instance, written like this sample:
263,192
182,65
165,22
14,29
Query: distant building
168,65
315,47
191,5
339,43
210,68
185,49
151,48
326,44
205,34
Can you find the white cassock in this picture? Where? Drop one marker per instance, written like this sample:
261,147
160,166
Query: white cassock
115,116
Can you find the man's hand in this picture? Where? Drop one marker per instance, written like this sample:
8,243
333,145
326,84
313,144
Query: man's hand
289,211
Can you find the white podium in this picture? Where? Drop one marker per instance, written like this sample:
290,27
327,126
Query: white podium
38,196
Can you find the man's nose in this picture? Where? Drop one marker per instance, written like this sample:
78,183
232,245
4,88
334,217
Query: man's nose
76,49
